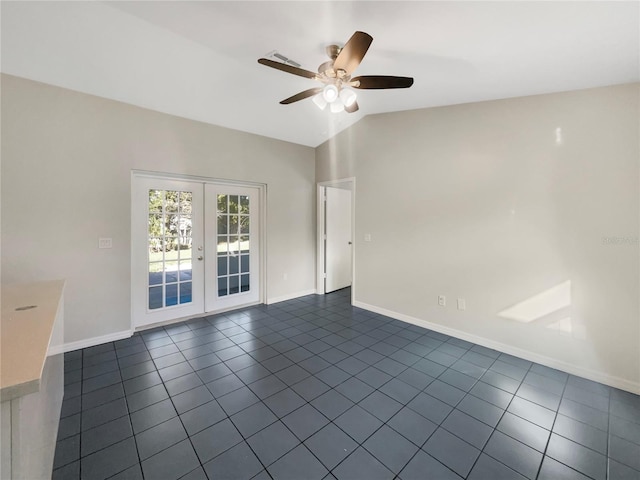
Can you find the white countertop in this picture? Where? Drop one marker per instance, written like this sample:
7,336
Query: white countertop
25,335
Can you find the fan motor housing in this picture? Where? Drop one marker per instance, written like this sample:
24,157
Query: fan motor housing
327,69
333,51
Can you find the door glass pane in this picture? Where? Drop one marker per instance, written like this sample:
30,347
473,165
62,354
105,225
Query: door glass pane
186,202
244,243
155,248
244,283
233,203
222,266
222,224
156,227
233,264
155,273
171,201
234,284
223,242
185,292
156,197
172,294
244,224
222,286
184,231
169,240
233,243
155,298
170,272
170,248
185,270
244,263
233,224
222,204
244,204
172,224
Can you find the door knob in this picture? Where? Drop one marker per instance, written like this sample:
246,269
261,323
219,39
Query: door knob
200,257
349,243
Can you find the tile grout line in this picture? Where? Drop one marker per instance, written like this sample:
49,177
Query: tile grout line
454,408
500,419
177,416
135,441
555,418
126,402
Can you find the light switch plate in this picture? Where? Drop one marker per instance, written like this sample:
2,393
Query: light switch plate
105,243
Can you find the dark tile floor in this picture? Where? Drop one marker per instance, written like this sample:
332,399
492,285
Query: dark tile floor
313,388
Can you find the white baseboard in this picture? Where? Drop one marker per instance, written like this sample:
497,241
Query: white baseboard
89,342
290,296
616,382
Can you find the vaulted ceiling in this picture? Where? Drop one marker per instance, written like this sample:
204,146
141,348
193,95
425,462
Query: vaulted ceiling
199,59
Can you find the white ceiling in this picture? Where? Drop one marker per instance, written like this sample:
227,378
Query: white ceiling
199,59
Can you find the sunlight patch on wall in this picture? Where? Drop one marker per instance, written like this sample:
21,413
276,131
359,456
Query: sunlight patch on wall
540,305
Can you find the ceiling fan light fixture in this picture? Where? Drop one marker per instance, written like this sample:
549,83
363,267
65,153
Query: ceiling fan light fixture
335,76
319,101
337,107
348,97
330,93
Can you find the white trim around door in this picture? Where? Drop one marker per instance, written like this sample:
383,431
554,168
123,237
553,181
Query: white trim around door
347,184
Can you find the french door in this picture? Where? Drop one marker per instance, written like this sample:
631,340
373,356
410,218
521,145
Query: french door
195,248
231,232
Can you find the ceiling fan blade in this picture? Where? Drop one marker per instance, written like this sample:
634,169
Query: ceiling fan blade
353,52
287,68
352,108
381,81
301,96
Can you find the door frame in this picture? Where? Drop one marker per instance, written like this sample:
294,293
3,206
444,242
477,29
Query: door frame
320,247
262,250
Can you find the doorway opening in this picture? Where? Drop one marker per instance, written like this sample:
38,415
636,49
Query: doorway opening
335,242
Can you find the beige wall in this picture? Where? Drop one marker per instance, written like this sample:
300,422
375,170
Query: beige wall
491,203
66,181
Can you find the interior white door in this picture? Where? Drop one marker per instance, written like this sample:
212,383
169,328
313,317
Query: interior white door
232,267
338,244
167,250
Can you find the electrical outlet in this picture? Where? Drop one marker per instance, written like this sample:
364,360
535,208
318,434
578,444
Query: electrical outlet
462,304
367,237
442,300
105,243
285,276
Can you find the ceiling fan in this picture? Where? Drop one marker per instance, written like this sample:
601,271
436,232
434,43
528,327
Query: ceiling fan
335,74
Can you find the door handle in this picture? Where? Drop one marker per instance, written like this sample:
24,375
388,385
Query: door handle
349,243
200,257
